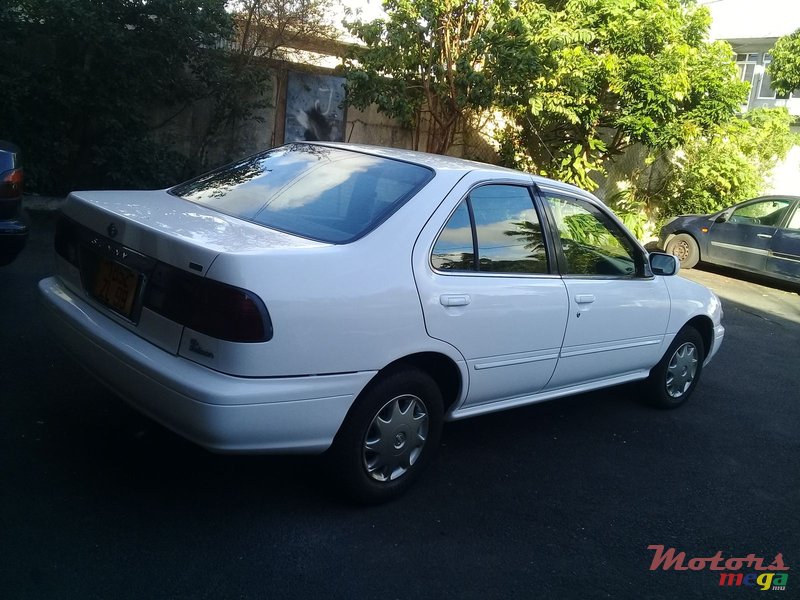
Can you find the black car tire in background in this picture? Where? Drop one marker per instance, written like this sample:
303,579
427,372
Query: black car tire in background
685,247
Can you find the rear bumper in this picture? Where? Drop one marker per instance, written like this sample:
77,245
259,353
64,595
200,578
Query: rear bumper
217,411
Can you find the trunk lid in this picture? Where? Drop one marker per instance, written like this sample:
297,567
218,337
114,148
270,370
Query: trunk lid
125,251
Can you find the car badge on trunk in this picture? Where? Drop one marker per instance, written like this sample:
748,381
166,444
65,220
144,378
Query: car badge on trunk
112,230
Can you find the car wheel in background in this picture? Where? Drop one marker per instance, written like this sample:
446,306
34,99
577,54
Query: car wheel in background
389,436
673,379
684,246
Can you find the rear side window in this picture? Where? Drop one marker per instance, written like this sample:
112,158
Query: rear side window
495,230
327,194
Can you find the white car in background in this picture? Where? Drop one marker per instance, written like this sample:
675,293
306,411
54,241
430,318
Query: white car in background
332,297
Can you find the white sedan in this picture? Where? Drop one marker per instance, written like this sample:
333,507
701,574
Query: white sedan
341,298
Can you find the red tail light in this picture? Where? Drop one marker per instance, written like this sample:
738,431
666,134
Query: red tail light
216,309
227,313
11,184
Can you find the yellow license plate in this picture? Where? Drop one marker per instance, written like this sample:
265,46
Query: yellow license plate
115,286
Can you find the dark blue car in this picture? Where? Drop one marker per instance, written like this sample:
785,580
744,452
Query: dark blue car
13,225
760,235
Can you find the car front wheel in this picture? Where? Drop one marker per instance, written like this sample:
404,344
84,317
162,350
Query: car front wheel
685,248
674,378
389,437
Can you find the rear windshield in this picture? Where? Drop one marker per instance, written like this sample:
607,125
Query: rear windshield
322,193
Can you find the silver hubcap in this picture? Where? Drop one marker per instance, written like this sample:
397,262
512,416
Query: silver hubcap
681,370
395,438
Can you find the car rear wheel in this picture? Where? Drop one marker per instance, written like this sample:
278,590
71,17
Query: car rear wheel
389,437
674,378
684,246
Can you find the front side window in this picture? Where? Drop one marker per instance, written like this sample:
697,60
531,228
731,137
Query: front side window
592,243
495,230
327,194
765,212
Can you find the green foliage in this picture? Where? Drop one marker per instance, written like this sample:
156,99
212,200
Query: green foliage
632,210
81,78
423,65
785,66
728,165
578,80
617,72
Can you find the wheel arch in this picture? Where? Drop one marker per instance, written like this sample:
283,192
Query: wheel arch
440,367
444,371
705,327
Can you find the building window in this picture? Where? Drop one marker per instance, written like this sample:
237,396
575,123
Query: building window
765,90
746,63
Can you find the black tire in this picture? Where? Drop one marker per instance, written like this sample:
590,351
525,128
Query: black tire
685,247
372,465
674,378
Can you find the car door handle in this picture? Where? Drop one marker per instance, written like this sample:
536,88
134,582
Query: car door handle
584,298
766,236
454,299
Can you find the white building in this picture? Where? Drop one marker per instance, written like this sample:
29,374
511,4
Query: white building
752,31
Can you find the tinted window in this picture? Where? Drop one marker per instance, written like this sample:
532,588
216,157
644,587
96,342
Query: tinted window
327,194
593,244
453,250
507,229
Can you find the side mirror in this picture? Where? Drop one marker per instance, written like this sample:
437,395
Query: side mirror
664,264
722,218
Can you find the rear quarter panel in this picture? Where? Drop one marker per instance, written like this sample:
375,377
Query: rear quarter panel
335,308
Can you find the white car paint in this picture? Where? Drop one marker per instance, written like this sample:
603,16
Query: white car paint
343,312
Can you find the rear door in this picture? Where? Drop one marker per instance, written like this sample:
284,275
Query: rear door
486,280
618,311
784,260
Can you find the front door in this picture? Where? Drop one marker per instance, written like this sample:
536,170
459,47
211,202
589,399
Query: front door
618,312
485,280
744,240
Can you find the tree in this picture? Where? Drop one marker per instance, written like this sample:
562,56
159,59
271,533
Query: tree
236,81
270,28
728,165
423,66
82,80
79,78
618,72
785,66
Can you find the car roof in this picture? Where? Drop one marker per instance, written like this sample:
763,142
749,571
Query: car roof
440,162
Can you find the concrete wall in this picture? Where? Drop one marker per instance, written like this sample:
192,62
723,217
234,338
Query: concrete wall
185,130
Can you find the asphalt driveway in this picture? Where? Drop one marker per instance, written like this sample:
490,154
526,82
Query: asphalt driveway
557,500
